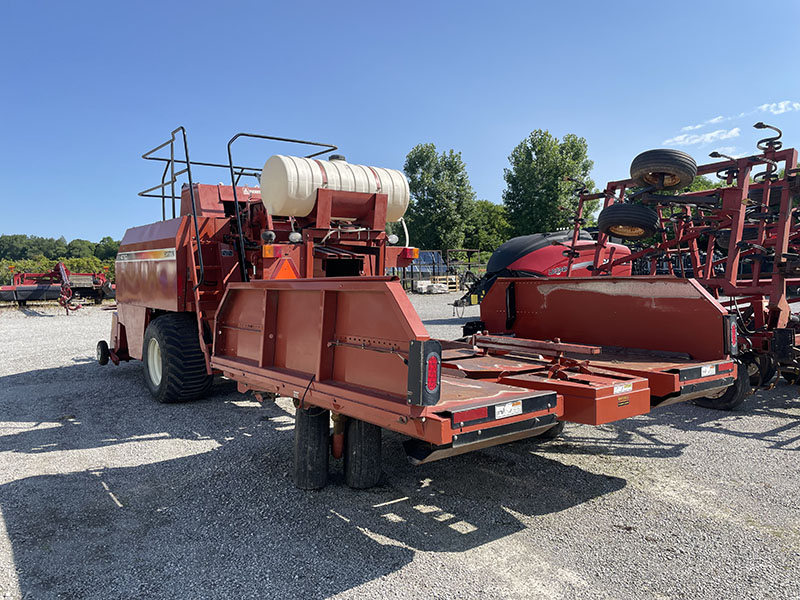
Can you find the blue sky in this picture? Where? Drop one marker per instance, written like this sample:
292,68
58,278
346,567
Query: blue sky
88,86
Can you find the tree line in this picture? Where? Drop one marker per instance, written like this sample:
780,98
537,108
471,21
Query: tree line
444,212
33,254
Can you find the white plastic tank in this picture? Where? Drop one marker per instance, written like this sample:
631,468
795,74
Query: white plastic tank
289,184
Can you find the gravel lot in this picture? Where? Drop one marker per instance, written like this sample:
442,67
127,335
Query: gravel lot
106,494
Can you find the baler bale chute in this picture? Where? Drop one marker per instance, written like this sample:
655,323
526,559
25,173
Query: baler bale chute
281,288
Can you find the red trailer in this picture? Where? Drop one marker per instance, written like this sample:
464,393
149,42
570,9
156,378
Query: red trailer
289,299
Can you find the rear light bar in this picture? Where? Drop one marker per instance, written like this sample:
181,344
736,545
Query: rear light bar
424,372
410,253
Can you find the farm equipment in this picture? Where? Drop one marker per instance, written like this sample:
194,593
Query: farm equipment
59,284
281,288
741,241
540,255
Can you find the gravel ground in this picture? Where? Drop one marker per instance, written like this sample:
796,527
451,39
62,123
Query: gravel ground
106,494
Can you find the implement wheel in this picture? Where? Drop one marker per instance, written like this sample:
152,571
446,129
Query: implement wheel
174,365
791,378
102,352
362,454
628,221
734,395
665,169
311,437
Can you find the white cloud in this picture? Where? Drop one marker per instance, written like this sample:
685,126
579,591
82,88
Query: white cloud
778,108
775,108
729,150
718,119
704,138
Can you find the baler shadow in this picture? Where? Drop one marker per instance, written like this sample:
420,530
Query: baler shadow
200,502
636,437
448,321
744,422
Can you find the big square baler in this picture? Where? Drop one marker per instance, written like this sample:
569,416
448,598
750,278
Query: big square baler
281,288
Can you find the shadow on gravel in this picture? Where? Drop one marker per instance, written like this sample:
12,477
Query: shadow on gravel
773,403
457,321
31,312
633,437
223,520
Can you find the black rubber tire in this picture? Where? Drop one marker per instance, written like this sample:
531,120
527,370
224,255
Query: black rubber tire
183,366
312,433
734,395
791,378
757,378
642,220
723,240
362,454
551,433
102,352
678,167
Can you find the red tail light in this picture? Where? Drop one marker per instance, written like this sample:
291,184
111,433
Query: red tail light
432,377
733,334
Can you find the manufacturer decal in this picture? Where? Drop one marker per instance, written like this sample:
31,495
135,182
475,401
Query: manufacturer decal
139,255
623,388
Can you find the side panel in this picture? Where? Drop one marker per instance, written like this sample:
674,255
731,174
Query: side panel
151,265
661,314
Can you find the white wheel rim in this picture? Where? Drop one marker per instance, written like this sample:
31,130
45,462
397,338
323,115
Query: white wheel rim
154,361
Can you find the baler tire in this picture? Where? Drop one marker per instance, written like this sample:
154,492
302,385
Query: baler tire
362,454
734,395
678,168
103,354
183,375
311,447
628,221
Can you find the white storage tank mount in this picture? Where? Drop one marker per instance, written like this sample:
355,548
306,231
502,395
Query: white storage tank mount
289,184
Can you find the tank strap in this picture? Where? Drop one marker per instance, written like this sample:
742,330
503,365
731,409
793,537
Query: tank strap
324,173
377,179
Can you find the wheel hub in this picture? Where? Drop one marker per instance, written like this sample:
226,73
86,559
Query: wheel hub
669,179
154,361
625,231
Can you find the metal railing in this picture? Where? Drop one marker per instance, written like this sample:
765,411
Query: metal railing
177,167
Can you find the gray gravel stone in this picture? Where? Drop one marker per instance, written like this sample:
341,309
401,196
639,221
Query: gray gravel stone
106,494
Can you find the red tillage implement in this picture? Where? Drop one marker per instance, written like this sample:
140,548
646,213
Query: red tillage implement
281,288
740,241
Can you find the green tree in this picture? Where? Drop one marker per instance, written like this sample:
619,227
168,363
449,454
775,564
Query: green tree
79,248
442,199
106,248
488,227
538,197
